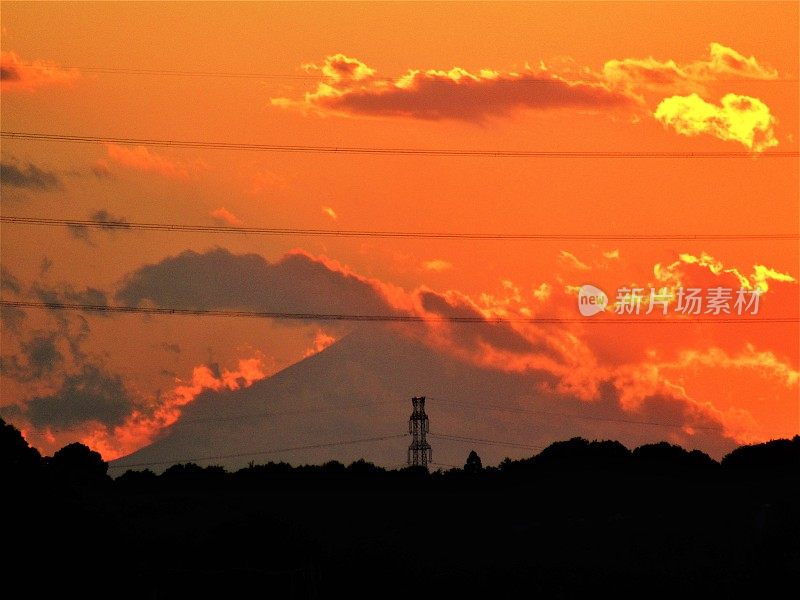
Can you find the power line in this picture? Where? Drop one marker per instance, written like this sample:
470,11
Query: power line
316,410
180,72
211,145
574,416
461,438
225,229
439,464
401,318
260,452
253,415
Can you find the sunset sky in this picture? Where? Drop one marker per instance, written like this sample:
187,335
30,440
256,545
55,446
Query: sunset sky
674,78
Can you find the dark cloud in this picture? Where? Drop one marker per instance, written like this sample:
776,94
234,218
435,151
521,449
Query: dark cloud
436,97
109,223
80,232
72,326
30,177
499,335
114,222
45,265
88,295
11,317
8,73
101,171
171,347
218,279
89,395
43,355
8,282
350,86
38,357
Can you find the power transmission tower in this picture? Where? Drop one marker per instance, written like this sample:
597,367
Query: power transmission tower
419,452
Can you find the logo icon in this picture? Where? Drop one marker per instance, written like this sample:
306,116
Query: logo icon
591,300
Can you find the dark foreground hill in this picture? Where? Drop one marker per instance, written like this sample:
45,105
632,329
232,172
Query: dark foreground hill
578,519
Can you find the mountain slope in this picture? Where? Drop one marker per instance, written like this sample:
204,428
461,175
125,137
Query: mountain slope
360,387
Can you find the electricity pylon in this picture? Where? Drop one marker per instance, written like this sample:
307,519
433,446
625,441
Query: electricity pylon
419,452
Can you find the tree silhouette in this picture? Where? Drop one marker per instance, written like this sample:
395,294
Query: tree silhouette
775,455
78,464
16,456
663,457
473,464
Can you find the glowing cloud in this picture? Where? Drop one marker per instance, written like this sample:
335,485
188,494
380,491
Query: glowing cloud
741,119
143,426
139,158
573,261
351,87
339,67
436,265
761,274
727,61
650,72
671,274
226,216
327,210
321,341
16,74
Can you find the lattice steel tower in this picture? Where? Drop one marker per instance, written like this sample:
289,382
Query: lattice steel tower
419,452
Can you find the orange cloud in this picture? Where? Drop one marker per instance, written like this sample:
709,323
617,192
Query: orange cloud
436,265
339,67
722,62
569,361
262,181
573,261
143,426
351,87
637,384
16,74
140,158
672,274
638,381
727,61
321,341
765,362
226,216
327,210
742,119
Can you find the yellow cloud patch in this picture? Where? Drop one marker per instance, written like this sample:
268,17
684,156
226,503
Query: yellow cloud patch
761,274
722,62
226,216
743,119
436,265
672,275
573,261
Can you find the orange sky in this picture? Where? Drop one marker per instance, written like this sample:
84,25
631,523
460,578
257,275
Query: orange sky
559,77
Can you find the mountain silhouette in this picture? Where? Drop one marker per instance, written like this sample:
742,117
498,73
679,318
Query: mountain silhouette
360,387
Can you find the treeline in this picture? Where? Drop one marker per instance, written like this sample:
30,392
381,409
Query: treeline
577,519
77,464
